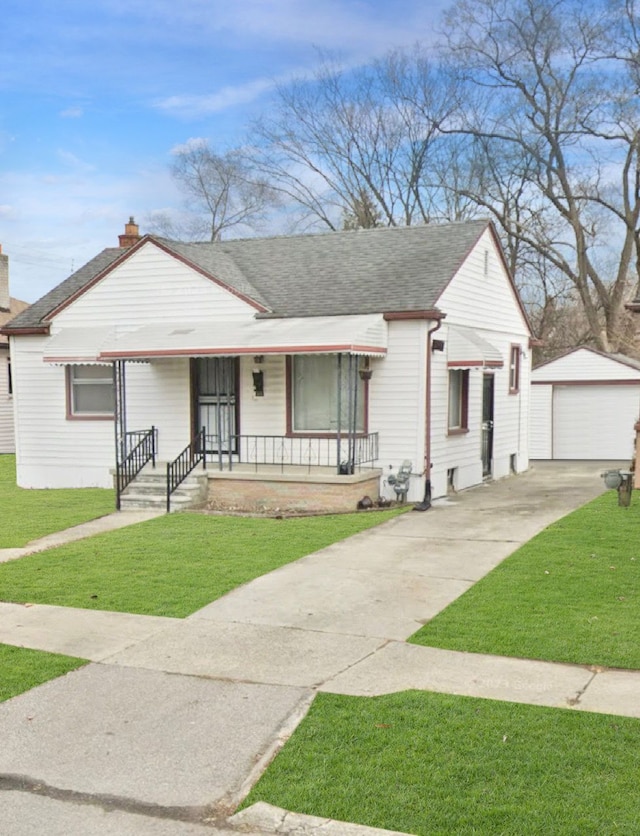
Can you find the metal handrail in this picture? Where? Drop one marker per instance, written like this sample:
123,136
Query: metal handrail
184,463
306,451
129,464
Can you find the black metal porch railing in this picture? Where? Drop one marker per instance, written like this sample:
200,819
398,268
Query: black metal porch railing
183,464
345,455
138,448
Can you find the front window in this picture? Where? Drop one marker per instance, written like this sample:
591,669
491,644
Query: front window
458,400
314,390
91,391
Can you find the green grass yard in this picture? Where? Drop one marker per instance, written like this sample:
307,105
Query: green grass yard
29,514
572,594
171,565
427,763
22,669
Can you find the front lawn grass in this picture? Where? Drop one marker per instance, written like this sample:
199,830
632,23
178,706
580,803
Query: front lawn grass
572,594
29,514
171,565
22,668
428,763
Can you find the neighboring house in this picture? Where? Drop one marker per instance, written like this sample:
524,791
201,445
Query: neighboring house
584,405
9,307
317,364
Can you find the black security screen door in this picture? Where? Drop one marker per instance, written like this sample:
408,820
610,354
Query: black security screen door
487,423
216,380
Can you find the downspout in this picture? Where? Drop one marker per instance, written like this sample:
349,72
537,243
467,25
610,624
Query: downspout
426,501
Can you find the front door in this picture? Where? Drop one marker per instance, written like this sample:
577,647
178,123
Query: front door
487,423
216,402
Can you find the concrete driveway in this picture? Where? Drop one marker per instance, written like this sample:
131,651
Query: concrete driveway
174,720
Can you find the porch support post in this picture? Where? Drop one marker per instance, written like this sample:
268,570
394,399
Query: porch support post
354,386
120,419
339,415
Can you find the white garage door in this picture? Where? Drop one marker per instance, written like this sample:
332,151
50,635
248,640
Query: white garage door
594,422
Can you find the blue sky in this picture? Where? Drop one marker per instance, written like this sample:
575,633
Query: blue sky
95,95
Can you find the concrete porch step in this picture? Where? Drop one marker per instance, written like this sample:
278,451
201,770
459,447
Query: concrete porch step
148,490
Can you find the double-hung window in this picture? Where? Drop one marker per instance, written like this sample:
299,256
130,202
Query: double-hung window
458,400
314,395
90,391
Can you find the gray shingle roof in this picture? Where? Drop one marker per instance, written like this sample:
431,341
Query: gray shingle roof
37,313
367,271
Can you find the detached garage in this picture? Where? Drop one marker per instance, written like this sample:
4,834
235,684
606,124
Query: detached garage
584,405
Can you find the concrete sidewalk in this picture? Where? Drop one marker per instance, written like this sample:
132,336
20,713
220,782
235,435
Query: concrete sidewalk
119,519
175,719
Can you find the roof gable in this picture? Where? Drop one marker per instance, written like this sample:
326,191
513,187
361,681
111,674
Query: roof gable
585,363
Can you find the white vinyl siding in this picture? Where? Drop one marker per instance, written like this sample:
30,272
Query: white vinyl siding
461,453
7,444
540,422
149,288
586,366
397,399
476,298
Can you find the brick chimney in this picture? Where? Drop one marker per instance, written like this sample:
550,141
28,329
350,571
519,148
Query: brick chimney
131,234
5,301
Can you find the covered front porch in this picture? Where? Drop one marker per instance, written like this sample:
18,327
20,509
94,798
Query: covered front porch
315,387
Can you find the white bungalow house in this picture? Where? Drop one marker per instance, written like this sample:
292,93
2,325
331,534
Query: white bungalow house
304,370
9,307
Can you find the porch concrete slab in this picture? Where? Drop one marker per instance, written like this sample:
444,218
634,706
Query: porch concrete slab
87,634
26,814
145,737
401,667
248,653
309,595
272,819
613,692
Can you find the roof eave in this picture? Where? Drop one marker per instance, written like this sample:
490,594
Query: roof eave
8,331
432,314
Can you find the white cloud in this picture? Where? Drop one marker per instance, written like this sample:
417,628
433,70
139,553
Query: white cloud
190,106
72,161
192,144
72,113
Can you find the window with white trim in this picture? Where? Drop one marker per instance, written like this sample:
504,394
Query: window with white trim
514,369
91,391
314,394
458,400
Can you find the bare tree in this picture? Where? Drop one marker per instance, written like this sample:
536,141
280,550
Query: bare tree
221,193
549,89
370,132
